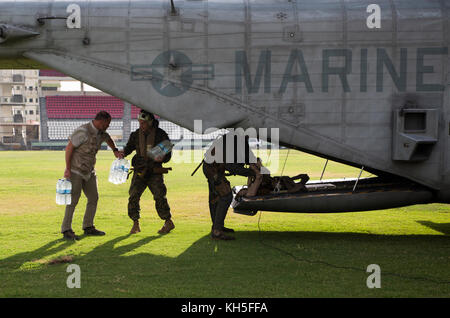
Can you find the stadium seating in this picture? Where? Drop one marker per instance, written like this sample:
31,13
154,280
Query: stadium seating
77,107
62,129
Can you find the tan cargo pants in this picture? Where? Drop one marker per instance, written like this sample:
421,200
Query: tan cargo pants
89,188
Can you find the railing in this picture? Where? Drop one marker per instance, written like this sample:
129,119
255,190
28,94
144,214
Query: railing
14,79
6,120
14,99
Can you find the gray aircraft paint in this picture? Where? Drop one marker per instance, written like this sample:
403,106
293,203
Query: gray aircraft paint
332,86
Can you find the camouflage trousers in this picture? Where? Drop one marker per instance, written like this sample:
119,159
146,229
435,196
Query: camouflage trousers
155,182
218,206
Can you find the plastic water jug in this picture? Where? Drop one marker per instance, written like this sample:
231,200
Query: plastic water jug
118,173
114,172
60,200
67,192
63,192
124,168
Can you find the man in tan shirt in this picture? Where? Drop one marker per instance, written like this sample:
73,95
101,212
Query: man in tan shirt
81,152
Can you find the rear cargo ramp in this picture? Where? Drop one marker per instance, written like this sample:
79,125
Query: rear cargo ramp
333,196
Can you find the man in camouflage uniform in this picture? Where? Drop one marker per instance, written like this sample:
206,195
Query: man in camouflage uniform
148,172
220,196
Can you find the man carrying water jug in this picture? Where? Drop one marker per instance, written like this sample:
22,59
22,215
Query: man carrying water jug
148,170
81,152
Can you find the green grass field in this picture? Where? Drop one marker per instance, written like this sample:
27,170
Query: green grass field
274,254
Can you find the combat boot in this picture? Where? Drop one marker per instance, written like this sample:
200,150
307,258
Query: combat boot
70,235
167,227
93,231
224,229
227,230
135,229
220,235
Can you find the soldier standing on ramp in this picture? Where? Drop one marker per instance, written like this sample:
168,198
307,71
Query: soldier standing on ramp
231,158
148,172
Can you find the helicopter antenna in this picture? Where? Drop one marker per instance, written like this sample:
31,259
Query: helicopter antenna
173,10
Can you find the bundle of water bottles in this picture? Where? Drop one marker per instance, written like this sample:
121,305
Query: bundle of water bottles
119,171
160,150
63,192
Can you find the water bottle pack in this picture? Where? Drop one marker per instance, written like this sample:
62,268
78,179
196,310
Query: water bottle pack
119,171
160,150
63,192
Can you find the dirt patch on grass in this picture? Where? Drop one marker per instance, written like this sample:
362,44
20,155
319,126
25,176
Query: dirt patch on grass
59,260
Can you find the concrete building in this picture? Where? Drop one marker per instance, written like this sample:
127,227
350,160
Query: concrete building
19,108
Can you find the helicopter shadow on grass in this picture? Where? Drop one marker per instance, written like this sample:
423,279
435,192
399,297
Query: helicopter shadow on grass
247,242
257,258
43,254
444,228
53,247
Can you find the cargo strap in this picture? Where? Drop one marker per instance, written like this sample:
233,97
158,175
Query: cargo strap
199,165
357,180
278,185
144,142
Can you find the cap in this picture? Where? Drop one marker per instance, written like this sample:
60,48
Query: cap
144,115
